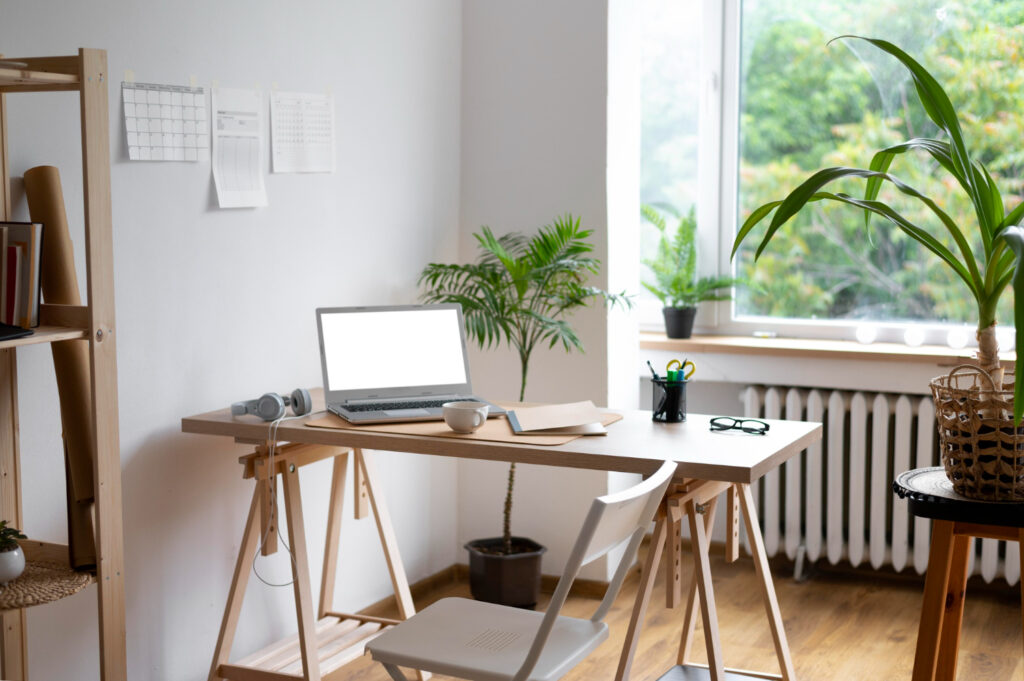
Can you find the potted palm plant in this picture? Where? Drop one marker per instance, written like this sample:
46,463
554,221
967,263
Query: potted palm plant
12,560
674,268
978,415
518,292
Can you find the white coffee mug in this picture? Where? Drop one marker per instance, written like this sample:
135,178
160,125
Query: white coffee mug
465,417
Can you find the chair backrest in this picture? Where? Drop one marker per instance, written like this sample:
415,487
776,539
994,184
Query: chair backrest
612,520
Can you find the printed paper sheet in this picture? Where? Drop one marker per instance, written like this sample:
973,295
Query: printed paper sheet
302,132
238,148
165,122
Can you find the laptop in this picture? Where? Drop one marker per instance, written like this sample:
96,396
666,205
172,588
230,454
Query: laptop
394,363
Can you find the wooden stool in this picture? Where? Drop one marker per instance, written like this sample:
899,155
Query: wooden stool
957,519
326,640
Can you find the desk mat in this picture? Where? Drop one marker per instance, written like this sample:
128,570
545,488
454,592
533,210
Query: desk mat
495,430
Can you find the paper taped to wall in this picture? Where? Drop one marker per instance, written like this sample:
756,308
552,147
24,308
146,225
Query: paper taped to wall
238,148
165,122
302,132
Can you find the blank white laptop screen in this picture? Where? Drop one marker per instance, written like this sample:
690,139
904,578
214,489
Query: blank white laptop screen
392,349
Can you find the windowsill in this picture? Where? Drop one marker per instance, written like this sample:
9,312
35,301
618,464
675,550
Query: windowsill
812,348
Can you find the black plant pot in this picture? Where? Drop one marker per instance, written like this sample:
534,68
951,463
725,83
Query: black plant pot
512,579
679,321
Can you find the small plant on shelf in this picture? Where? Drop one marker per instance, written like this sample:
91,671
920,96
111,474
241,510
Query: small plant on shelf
12,560
674,268
9,537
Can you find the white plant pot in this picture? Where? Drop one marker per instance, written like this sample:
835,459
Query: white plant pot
12,564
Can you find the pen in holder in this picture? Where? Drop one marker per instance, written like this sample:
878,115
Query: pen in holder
669,400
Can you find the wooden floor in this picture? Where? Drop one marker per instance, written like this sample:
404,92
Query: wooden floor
840,627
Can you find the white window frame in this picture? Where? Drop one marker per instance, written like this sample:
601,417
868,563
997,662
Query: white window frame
718,173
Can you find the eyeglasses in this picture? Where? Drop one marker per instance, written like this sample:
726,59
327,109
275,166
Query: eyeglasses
752,426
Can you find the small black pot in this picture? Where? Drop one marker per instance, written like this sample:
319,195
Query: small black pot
512,579
679,321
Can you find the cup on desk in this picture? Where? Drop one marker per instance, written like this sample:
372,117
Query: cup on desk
465,417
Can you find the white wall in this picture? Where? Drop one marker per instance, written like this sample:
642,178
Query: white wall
535,91
215,306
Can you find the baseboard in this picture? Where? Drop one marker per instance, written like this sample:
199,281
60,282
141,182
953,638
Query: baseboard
584,588
419,589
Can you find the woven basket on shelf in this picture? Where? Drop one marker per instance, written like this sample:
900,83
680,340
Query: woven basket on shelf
982,451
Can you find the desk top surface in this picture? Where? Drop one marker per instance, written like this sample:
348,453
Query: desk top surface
633,445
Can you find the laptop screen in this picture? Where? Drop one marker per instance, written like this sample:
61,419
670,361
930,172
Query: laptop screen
381,349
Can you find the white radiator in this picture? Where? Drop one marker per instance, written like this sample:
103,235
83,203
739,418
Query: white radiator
835,499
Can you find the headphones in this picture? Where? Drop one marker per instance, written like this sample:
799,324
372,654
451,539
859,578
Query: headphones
271,406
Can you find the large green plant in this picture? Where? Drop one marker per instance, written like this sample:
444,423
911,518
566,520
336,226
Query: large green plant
986,268
675,266
518,292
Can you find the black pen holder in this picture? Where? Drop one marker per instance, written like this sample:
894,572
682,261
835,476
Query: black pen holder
669,400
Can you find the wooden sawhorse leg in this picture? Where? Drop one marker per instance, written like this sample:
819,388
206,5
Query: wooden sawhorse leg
699,499
326,640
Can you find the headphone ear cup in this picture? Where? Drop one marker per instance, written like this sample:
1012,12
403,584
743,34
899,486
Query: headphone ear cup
302,403
270,407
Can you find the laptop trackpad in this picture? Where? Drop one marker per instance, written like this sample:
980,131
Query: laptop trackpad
405,413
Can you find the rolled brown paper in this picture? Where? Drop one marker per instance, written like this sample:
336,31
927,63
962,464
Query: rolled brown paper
59,284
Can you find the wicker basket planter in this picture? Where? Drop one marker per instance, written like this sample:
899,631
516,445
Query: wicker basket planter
982,452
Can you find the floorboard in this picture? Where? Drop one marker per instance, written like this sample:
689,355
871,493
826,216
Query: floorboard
841,627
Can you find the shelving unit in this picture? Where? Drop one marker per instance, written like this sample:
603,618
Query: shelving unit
85,73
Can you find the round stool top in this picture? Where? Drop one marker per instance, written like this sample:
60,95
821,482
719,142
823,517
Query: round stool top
929,494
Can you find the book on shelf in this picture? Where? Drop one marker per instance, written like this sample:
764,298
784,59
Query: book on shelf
22,295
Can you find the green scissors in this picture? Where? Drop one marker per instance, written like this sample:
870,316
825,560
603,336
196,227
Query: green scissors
679,373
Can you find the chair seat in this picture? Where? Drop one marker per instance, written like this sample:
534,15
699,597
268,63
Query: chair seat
485,642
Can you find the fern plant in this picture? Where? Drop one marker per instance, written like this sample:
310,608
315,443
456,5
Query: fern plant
987,267
675,266
518,292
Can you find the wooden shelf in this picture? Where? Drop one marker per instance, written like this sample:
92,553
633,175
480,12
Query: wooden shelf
45,334
15,80
43,583
338,641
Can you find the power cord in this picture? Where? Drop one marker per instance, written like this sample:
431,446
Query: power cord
271,451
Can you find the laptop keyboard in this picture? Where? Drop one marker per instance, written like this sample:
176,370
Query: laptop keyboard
388,406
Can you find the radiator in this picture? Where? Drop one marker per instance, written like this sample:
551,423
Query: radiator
835,502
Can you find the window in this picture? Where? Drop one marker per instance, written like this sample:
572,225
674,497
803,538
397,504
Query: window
671,54
793,103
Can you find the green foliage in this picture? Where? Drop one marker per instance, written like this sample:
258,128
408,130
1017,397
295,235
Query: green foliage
675,266
984,267
518,292
9,537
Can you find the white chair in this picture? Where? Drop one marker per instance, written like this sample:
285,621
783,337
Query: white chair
487,642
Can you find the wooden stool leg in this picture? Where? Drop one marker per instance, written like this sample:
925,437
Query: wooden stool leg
388,541
708,609
932,609
643,596
764,574
952,618
692,600
300,575
243,566
333,539
1020,547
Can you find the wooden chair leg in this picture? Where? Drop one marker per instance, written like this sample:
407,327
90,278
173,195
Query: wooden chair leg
333,540
243,567
932,609
388,541
708,609
643,597
764,574
952,618
300,575
693,600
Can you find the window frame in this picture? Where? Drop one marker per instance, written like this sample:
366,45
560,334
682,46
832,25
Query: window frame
717,213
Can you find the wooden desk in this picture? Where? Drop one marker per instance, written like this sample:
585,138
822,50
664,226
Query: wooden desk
709,464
